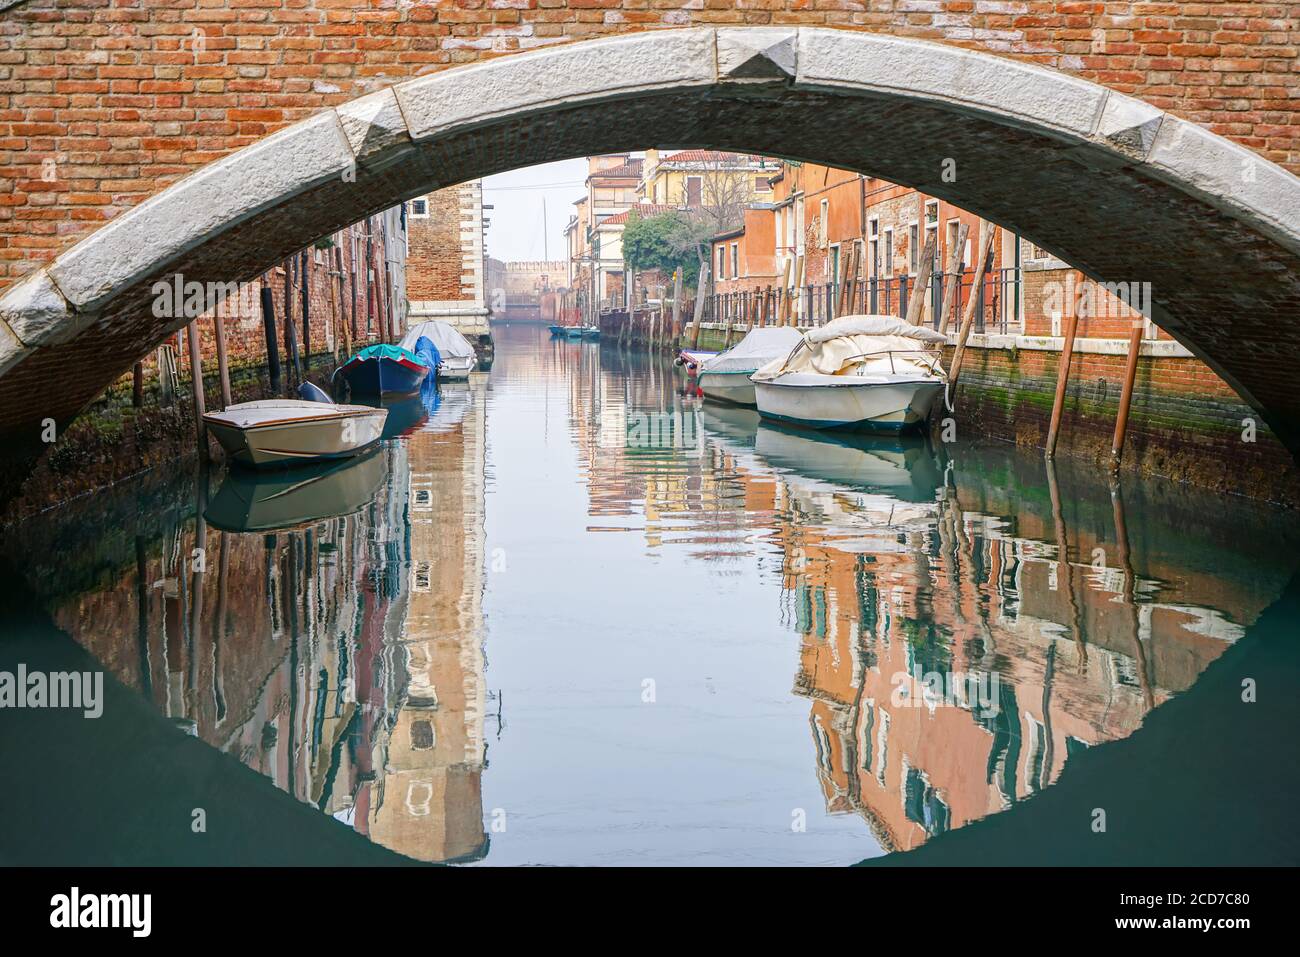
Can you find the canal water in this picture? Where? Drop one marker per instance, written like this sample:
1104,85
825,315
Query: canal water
570,614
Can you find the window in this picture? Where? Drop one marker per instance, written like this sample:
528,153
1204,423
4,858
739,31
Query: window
761,184
694,190
873,248
889,252
735,260
722,262
419,209
914,247
822,225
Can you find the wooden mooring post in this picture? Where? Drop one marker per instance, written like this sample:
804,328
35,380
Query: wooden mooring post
196,384
677,304
223,369
972,303
268,328
1062,382
1126,395
916,304
952,284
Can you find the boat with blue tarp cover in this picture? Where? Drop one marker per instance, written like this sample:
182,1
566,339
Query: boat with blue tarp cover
385,370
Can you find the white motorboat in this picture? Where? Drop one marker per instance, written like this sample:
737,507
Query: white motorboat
873,373
456,356
272,432
726,375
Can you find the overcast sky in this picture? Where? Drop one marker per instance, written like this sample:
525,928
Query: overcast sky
515,232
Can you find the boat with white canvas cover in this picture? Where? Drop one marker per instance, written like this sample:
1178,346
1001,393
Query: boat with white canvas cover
872,373
271,432
455,354
726,375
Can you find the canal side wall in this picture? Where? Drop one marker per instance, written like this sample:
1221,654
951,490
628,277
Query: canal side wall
1185,423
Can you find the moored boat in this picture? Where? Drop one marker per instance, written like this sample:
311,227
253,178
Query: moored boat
273,432
688,360
869,373
725,376
454,355
384,370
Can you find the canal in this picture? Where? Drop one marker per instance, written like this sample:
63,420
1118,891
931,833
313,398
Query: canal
568,614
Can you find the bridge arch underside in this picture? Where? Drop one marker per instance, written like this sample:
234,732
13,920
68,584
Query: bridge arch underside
1108,183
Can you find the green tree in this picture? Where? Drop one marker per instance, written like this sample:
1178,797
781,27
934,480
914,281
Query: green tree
666,242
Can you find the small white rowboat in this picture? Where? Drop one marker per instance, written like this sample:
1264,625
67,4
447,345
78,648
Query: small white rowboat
273,432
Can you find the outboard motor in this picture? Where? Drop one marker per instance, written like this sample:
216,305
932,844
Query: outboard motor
313,393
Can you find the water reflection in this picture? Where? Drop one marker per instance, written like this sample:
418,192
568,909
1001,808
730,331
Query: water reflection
957,622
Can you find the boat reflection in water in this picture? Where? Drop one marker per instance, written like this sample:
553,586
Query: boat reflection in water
265,501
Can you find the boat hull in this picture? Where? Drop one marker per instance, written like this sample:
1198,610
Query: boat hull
456,370
878,404
383,376
733,387
302,439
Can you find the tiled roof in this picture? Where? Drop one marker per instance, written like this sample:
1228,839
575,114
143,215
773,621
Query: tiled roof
642,209
715,156
629,170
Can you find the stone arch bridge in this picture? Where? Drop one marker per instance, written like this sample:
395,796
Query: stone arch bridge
212,138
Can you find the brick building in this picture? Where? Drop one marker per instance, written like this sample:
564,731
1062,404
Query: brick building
447,261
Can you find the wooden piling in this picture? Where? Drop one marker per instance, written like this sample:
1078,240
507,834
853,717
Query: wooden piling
783,304
701,301
849,269
304,280
677,304
268,328
223,370
916,305
343,322
1126,396
952,287
1062,382
196,384
290,333
137,385
968,316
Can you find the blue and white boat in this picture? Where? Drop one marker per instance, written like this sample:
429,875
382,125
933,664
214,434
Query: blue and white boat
385,370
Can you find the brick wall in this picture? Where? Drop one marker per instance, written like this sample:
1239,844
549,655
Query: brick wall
1185,422
102,104
433,264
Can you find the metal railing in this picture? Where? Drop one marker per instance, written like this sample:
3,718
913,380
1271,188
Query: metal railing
997,305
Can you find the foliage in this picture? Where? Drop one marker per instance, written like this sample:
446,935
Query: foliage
665,242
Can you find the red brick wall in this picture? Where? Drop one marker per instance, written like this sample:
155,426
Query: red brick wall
1185,422
123,101
433,264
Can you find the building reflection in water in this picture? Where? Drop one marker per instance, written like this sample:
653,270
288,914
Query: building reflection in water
962,624
324,626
